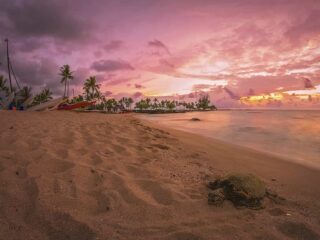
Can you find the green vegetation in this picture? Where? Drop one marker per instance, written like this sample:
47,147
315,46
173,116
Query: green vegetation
66,75
44,96
147,105
91,89
92,92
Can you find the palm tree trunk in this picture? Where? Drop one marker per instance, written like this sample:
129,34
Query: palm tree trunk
65,88
68,90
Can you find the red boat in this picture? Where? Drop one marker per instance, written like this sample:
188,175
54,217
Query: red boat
76,105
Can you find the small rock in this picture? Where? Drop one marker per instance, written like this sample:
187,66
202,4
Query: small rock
216,197
195,119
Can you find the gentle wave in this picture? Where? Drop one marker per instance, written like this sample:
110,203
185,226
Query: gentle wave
291,134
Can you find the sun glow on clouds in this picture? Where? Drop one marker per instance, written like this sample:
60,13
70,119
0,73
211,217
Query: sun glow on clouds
170,85
246,46
205,65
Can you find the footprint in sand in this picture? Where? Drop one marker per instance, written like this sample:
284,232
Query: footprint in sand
276,212
298,231
96,160
124,192
58,166
21,172
138,172
161,146
184,236
120,149
102,202
161,195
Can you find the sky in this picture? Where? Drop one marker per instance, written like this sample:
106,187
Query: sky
180,49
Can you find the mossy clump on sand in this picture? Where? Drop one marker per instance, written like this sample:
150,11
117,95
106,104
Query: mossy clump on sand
243,190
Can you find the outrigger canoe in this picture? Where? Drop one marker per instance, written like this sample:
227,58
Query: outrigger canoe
76,105
47,105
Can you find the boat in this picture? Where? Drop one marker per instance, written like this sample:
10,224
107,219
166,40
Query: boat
76,105
5,103
27,102
53,104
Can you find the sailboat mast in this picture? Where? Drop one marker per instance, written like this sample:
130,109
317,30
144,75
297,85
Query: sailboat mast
8,62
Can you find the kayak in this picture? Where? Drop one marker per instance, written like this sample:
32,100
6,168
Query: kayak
76,105
47,105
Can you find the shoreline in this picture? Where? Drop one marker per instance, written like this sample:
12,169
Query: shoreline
73,175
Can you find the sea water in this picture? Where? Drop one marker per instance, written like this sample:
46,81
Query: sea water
293,134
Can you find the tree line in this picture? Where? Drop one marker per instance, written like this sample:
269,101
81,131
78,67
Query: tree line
91,92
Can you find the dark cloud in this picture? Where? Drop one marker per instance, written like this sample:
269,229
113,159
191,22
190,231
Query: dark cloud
41,18
29,45
305,29
118,81
231,94
137,95
107,93
166,64
111,65
251,92
308,84
114,45
138,86
159,45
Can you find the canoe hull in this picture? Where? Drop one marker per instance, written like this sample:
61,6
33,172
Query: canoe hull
46,105
75,105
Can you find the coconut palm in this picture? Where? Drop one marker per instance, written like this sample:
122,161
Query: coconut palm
91,88
25,93
111,104
66,75
44,96
3,85
129,102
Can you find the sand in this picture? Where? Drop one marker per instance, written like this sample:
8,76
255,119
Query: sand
66,175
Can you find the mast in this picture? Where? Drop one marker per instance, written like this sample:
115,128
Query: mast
8,62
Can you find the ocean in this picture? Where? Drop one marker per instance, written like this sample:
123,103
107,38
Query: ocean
293,134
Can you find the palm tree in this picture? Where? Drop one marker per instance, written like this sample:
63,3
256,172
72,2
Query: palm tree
44,96
25,93
3,86
66,75
129,102
91,88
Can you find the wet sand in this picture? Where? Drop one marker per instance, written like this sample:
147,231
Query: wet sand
67,175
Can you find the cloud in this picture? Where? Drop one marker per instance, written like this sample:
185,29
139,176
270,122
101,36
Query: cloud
111,65
113,45
231,94
42,18
198,87
107,93
305,29
137,95
308,84
138,86
118,81
156,44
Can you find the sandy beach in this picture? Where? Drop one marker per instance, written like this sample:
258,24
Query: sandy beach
83,176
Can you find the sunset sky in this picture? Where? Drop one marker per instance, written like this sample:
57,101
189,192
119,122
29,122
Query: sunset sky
165,47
